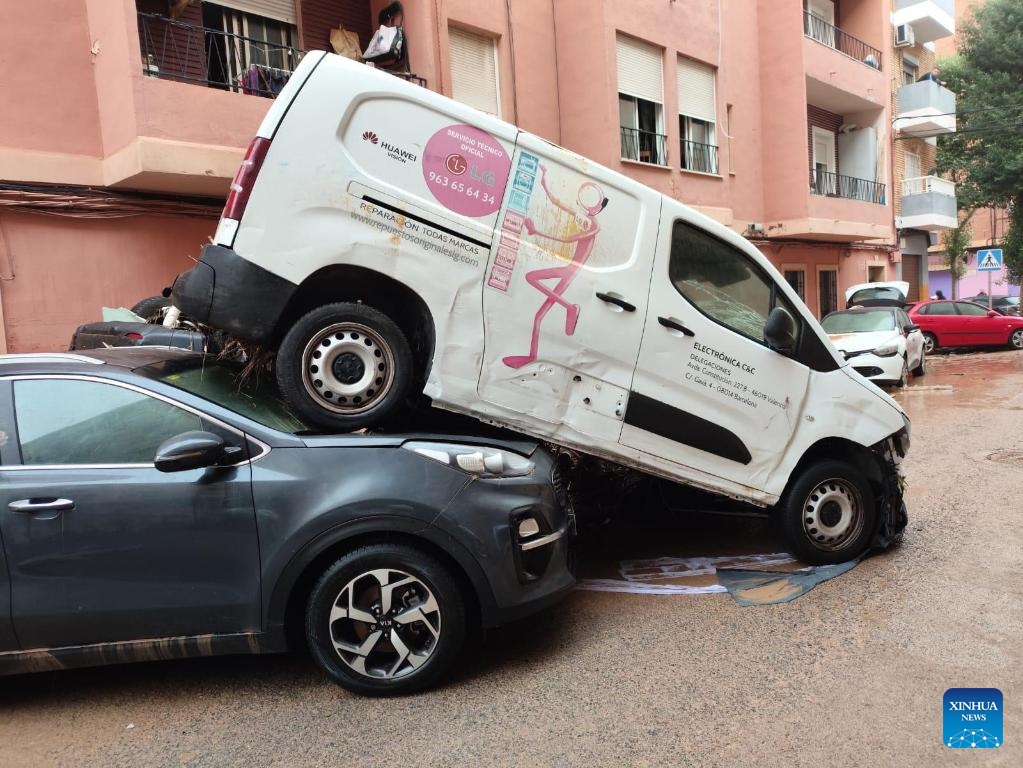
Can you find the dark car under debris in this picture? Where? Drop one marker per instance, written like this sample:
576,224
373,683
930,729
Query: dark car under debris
154,508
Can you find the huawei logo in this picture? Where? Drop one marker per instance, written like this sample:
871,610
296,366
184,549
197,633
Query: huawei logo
370,137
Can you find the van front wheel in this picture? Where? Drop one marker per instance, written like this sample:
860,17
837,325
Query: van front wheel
828,514
344,367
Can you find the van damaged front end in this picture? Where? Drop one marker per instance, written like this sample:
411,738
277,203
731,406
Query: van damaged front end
892,516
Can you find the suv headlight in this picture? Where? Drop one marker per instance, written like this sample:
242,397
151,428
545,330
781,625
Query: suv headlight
887,349
474,459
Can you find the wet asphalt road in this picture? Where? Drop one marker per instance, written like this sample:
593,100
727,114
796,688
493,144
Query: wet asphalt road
851,674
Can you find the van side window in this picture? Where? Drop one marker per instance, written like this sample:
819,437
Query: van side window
722,282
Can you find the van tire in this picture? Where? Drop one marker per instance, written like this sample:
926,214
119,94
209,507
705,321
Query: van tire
344,367
806,515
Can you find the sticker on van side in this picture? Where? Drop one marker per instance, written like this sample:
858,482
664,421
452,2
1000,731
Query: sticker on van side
466,169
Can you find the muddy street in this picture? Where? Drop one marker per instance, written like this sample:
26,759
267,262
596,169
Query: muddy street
850,674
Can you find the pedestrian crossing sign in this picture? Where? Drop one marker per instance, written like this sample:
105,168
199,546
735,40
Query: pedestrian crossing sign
989,260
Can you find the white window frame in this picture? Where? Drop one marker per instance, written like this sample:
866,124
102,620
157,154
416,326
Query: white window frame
641,93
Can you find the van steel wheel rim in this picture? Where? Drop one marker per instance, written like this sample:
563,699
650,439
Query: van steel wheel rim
348,368
385,624
833,514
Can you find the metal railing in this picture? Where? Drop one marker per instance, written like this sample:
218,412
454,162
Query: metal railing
919,185
644,146
174,50
850,187
817,29
699,157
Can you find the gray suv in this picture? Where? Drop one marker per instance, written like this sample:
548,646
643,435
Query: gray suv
152,507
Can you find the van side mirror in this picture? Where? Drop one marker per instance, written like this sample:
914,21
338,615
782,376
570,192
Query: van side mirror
780,331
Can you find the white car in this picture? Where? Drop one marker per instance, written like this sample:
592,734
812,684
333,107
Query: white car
881,343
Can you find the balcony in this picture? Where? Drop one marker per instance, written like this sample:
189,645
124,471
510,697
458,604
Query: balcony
930,19
174,50
928,203
926,109
702,158
644,146
817,29
829,184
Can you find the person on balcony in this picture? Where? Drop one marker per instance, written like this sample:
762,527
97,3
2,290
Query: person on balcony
932,75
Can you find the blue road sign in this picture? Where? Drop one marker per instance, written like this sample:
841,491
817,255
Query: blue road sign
989,260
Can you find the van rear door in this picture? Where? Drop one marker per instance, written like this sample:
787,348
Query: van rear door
708,392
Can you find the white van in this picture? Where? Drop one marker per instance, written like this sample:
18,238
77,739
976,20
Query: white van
388,241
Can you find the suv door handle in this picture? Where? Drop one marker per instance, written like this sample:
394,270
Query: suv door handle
675,325
49,504
607,297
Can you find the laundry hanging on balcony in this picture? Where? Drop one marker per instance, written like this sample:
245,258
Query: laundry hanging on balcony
260,80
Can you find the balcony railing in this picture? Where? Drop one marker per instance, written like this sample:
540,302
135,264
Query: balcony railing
174,50
835,185
817,29
644,146
699,157
921,184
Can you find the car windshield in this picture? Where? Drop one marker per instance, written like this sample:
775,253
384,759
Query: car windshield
873,294
858,322
254,396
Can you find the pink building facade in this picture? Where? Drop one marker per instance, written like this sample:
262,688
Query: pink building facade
121,135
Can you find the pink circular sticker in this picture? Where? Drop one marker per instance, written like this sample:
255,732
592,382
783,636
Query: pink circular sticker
466,170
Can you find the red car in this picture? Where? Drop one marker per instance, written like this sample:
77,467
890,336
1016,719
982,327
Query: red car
965,324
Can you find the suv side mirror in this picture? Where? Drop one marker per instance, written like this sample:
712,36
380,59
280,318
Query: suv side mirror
780,331
191,450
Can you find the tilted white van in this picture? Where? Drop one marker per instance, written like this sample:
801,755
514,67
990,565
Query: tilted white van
388,241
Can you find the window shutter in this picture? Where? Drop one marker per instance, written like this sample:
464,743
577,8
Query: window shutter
474,70
696,90
280,10
640,70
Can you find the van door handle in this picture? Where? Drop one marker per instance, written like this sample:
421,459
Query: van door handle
607,297
48,504
675,325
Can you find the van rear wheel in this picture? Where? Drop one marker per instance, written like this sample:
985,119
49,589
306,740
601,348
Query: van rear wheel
344,367
828,514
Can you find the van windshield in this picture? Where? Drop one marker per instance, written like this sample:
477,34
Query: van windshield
858,322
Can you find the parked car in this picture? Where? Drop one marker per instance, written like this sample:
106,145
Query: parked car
881,294
882,343
1007,305
964,324
393,244
152,507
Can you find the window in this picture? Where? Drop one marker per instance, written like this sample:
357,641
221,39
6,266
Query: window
971,310
827,291
910,67
938,308
722,282
260,33
640,101
819,18
70,421
823,177
911,165
875,274
697,116
474,70
797,279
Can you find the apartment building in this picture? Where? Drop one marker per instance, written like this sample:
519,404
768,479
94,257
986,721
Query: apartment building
128,119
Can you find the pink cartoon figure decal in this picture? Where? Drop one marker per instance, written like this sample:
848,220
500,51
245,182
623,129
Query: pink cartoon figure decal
591,199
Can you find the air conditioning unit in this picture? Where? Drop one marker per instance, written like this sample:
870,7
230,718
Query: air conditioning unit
904,36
